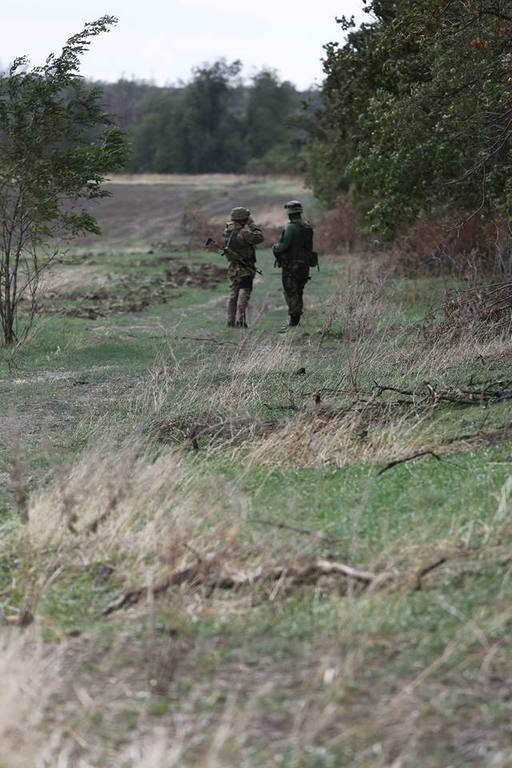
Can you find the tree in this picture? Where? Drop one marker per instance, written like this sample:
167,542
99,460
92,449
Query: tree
157,137
212,119
418,111
56,145
270,106
214,123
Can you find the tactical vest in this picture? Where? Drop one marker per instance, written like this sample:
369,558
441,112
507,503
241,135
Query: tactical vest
302,244
246,251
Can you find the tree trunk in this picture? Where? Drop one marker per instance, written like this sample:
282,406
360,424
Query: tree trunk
8,325
8,313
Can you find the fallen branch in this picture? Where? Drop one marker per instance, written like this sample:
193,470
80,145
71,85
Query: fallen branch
406,459
207,340
426,570
187,575
486,393
200,574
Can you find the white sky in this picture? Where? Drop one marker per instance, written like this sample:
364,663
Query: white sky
162,41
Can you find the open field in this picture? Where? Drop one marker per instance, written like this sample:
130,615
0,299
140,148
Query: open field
208,556
151,208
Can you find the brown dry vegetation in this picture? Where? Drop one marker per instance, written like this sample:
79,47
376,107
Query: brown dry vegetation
340,230
151,518
476,249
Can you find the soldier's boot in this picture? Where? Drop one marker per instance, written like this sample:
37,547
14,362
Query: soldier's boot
294,320
232,311
243,301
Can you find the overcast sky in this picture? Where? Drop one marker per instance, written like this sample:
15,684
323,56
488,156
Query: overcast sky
162,40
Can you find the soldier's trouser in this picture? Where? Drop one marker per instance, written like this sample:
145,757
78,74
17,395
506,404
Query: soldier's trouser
294,279
239,295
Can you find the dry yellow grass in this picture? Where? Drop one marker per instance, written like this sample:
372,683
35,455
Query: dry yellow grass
207,179
29,676
63,280
142,511
322,441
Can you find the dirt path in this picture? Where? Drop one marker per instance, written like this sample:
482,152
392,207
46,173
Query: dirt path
41,410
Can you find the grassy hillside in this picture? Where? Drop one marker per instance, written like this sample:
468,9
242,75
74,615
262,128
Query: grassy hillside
207,555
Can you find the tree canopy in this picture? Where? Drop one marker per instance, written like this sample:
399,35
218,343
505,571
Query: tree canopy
417,111
214,123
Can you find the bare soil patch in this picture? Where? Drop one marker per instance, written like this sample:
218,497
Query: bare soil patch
124,294
64,281
148,208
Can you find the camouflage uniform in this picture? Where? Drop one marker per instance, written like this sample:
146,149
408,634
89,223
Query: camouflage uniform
293,255
240,236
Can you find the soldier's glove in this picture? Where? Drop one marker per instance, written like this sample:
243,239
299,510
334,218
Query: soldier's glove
277,258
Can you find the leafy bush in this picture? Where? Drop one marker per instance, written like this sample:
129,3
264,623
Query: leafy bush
418,112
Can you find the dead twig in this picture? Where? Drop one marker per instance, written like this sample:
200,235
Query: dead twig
420,575
200,574
412,457
207,341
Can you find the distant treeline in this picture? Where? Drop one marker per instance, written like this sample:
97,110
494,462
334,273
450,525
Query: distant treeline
214,123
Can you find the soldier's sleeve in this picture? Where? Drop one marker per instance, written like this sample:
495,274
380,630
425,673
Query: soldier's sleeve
229,234
252,236
286,240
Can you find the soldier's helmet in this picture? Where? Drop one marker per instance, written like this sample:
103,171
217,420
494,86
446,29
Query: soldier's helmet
294,206
240,213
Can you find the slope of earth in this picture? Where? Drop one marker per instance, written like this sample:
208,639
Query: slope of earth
252,550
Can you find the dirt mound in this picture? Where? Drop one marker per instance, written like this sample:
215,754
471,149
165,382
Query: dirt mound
197,275
124,295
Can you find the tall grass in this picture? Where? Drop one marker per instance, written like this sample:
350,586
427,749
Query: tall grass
271,674
30,676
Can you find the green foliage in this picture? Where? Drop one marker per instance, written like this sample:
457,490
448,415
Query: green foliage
417,111
214,123
270,105
56,145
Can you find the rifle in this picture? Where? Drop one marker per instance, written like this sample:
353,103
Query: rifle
212,245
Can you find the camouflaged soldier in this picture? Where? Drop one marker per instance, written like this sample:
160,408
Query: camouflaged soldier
294,254
240,236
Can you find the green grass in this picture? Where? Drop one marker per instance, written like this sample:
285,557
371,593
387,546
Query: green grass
439,652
